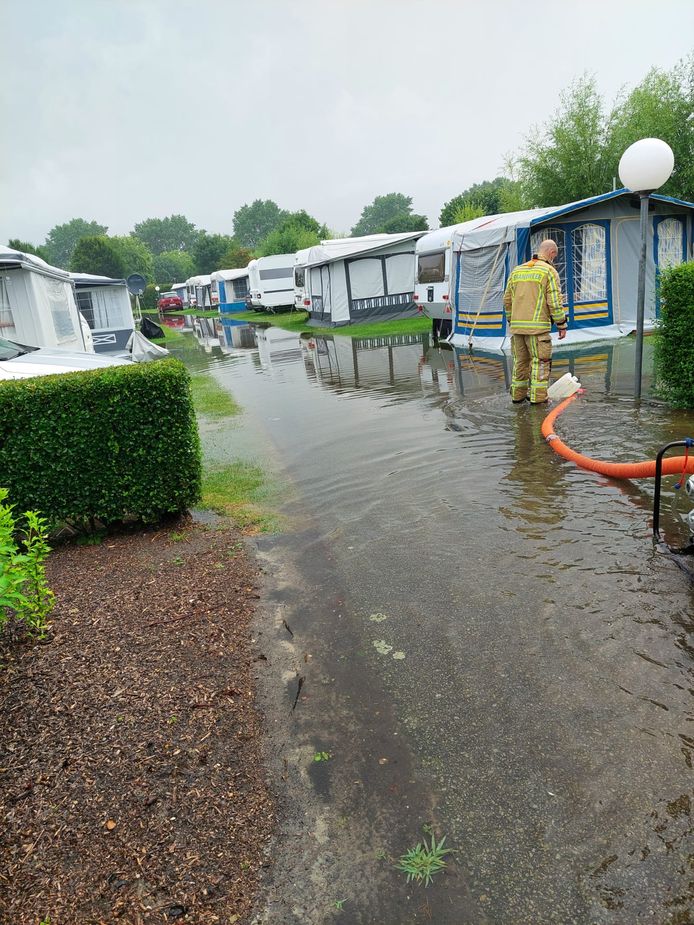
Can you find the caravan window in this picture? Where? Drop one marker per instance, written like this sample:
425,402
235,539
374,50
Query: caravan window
6,316
102,308
558,235
432,268
670,243
277,273
589,263
60,310
299,277
241,288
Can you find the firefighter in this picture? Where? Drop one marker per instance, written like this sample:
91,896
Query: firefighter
533,301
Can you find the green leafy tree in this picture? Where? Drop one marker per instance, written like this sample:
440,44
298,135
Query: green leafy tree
255,221
480,199
296,231
62,239
209,250
405,222
661,106
382,210
26,248
236,257
174,233
98,255
135,255
173,267
571,157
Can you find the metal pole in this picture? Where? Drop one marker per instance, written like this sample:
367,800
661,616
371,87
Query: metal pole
641,295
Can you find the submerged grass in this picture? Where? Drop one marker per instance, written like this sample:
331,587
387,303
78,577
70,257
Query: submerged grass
298,321
236,490
210,398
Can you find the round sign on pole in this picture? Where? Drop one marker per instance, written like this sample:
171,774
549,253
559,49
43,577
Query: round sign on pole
136,284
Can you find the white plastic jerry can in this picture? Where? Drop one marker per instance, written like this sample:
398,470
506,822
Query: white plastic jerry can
564,387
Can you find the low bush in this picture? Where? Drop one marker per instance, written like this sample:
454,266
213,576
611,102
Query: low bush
101,445
674,347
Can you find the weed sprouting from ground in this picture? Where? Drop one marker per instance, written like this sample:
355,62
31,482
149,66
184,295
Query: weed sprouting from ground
424,860
235,490
210,398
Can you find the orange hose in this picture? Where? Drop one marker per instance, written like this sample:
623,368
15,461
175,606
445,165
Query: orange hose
673,465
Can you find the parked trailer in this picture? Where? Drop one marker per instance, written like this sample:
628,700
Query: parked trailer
433,277
198,290
37,304
105,304
302,296
232,289
271,281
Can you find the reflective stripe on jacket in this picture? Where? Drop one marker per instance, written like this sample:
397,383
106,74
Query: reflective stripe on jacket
532,299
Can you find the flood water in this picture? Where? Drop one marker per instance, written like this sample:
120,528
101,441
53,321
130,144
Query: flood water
522,651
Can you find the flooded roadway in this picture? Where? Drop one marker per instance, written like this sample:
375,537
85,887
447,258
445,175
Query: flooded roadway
480,636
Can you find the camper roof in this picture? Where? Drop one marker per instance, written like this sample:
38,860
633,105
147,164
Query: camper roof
347,247
82,280
230,274
13,258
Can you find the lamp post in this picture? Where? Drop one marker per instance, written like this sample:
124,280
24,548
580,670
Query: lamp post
643,168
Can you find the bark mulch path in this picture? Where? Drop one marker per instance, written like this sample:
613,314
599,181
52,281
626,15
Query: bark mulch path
131,782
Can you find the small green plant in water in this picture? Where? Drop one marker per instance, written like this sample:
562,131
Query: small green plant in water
24,590
339,903
321,756
177,537
423,861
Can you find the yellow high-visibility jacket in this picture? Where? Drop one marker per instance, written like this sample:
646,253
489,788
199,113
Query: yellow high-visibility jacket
532,299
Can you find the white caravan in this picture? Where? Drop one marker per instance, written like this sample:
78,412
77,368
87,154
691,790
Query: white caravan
271,282
198,292
37,304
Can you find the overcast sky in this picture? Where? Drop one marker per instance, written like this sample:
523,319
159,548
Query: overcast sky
120,110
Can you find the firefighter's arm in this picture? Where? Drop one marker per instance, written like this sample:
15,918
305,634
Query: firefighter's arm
508,298
554,301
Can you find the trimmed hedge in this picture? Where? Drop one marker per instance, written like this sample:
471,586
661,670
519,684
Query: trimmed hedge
674,349
102,444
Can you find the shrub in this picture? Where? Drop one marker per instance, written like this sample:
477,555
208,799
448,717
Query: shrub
101,445
674,348
24,590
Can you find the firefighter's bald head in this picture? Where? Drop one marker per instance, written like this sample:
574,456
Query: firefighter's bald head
548,249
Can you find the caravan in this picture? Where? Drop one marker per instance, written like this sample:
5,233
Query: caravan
599,243
232,289
271,282
37,304
105,305
433,277
198,292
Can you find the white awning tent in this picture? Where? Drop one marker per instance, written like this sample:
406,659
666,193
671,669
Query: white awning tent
599,243
198,291
106,306
353,279
37,304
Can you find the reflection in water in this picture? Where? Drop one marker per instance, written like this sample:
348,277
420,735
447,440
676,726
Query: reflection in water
546,692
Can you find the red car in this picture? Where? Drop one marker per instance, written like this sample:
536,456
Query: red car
169,302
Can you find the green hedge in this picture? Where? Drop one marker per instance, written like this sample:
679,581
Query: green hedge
102,444
674,349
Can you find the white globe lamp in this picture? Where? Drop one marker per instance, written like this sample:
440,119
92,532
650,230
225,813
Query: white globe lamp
643,168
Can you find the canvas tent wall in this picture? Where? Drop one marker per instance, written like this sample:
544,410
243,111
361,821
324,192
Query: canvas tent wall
599,242
198,291
105,304
355,280
232,289
37,304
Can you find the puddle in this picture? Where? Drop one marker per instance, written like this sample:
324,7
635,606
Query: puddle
539,670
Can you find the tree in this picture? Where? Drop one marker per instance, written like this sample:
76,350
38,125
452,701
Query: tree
479,199
173,267
97,254
254,222
174,233
405,222
62,239
27,248
660,107
236,257
135,255
382,210
297,231
209,250
571,158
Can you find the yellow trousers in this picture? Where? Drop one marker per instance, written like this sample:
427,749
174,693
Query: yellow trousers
532,362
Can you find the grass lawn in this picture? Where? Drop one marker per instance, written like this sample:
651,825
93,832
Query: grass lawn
297,321
210,398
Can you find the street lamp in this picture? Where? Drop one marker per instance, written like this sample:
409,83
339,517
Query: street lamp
643,168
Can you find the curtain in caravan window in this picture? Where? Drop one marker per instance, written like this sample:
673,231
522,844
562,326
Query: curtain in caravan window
7,328
482,276
589,263
670,243
327,293
400,273
366,277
